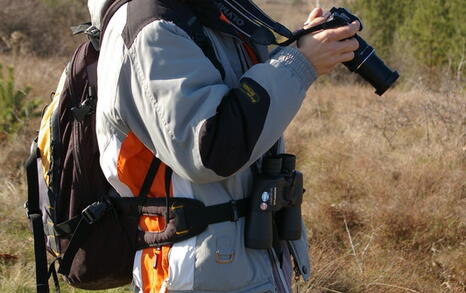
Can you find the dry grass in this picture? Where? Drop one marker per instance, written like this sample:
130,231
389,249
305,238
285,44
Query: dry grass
16,255
386,189
40,27
385,178
41,74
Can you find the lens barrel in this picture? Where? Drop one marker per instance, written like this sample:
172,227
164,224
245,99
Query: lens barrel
370,67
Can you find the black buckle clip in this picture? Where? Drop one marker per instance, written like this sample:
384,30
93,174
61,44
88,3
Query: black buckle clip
234,209
93,33
29,212
94,212
180,220
87,107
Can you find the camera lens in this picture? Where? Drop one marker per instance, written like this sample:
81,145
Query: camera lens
367,64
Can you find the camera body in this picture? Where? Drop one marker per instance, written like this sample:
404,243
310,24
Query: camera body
276,200
365,62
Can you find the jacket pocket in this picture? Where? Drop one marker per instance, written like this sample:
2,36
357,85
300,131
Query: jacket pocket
266,287
224,264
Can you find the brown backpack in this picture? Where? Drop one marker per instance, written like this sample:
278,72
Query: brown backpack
87,228
65,178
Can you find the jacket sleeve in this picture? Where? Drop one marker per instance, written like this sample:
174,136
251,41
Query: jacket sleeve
197,125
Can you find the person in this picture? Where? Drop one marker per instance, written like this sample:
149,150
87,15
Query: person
160,95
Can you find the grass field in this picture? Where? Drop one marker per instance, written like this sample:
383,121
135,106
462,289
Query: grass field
385,179
386,189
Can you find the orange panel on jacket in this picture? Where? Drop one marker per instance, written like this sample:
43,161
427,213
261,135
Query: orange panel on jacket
133,164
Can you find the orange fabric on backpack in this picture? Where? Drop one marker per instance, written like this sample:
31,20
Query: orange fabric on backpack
133,163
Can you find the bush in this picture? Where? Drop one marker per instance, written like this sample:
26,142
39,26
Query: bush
15,108
40,27
425,39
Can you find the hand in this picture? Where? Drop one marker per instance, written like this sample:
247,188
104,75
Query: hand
325,49
317,16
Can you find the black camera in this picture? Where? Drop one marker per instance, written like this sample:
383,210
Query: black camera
247,19
275,202
366,63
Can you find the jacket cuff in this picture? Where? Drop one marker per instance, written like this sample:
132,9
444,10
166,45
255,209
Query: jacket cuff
294,60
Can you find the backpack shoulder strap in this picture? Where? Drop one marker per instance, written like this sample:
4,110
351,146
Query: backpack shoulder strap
142,12
196,31
35,216
108,12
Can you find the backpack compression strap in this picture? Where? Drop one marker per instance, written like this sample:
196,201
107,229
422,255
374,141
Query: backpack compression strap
82,224
35,216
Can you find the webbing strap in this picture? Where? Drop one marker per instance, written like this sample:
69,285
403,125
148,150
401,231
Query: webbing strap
80,226
199,37
35,216
81,232
149,179
109,12
53,274
194,28
40,253
80,28
230,211
185,217
188,218
67,227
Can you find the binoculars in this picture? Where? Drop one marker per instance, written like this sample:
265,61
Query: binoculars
275,201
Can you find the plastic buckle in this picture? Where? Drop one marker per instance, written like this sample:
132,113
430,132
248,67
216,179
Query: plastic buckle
93,33
180,220
30,213
94,212
234,209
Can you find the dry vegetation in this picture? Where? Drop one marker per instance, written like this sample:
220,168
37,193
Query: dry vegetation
386,189
385,178
32,27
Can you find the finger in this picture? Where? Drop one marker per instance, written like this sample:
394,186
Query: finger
314,22
348,45
316,12
344,32
318,20
345,57
326,14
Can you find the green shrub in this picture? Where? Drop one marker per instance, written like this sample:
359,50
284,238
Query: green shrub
15,108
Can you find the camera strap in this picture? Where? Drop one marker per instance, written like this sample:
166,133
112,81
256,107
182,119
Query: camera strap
239,17
333,23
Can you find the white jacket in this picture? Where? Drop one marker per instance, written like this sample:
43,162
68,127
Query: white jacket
159,94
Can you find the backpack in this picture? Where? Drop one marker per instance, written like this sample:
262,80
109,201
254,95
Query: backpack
75,214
